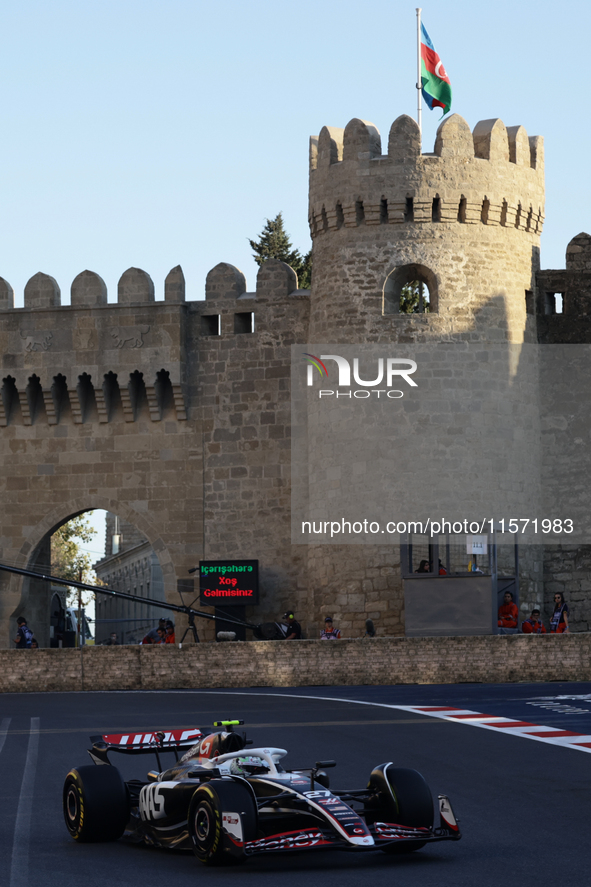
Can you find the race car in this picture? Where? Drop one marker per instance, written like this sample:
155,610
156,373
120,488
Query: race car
227,801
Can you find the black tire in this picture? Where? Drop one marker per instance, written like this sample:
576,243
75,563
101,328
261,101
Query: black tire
414,805
205,821
96,804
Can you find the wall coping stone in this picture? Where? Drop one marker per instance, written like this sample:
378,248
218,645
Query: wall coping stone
349,662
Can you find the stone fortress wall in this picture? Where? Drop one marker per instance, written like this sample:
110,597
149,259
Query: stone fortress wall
175,414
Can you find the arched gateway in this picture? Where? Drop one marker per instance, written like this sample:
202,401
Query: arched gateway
163,412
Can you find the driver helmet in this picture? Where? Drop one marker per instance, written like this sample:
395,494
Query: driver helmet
248,765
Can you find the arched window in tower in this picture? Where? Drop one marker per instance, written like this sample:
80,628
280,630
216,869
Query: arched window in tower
383,211
504,209
484,211
359,212
518,217
340,215
410,289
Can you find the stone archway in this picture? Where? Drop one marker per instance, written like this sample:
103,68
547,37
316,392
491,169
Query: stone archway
33,596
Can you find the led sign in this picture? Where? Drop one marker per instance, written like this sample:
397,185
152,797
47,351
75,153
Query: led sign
228,583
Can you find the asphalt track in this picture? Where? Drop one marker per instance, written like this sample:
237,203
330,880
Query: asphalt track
524,805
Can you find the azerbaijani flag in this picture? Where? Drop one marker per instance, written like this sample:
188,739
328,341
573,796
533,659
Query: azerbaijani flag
435,84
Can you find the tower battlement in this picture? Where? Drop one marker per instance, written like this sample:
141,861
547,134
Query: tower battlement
493,176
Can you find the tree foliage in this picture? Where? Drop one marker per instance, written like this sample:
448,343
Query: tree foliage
68,560
410,301
274,243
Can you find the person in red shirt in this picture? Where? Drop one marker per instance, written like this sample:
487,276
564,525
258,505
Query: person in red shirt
169,639
508,612
533,625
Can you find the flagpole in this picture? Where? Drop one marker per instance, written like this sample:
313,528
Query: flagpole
419,109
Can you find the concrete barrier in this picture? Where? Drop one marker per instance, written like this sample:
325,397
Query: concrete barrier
491,659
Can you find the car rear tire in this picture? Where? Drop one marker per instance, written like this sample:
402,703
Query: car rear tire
206,830
96,804
414,805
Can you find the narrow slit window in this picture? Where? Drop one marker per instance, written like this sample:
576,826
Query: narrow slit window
409,212
383,211
485,211
436,210
518,216
340,216
504,209
462,210
324,220
359,212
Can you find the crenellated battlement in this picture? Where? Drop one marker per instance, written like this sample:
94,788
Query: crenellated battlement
492,176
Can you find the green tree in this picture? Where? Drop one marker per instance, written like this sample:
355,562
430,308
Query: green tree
68,561
410,302
274,243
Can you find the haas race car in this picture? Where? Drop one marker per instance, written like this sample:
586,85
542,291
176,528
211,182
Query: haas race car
228,802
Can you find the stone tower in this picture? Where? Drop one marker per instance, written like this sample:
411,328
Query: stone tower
464,221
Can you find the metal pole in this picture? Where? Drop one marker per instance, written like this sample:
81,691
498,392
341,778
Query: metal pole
419,108
110,592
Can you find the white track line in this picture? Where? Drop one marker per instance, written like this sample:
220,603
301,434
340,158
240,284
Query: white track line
3,731
19,868
498,723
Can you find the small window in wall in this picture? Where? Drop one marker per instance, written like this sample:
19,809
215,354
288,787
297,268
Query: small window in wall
530,307
383,211
340,216
210,325
484,211
553,303
409,212
410,289
244,322
436,210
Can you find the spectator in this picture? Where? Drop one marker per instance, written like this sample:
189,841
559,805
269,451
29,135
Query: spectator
24,635
442,570
508,613
152,636
329,633
169,638
34,644
559,620
161,636
424,567
533,625
293,630
112,641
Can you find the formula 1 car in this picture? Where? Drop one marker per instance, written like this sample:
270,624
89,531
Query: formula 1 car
228,803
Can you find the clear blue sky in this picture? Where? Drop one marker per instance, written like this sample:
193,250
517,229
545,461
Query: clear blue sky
155,133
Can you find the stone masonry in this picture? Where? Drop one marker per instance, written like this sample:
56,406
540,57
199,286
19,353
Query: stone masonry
175,414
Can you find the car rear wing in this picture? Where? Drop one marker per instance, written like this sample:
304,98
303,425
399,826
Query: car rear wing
152,742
